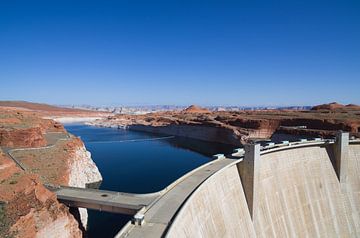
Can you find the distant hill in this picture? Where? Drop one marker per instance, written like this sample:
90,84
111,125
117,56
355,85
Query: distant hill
47,110
334,106
196,109
38,106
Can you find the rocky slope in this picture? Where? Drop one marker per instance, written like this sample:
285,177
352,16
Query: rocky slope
48,155
28,209
241,127
25,129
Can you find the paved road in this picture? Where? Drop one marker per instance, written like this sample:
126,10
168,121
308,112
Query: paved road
51,137
116,202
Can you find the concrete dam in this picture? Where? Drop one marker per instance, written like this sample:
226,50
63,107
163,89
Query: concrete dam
298,189
304,189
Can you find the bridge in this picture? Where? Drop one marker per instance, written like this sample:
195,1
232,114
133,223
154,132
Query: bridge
102,200
247,193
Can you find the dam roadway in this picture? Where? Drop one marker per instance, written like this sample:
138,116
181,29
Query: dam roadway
102,200
302,189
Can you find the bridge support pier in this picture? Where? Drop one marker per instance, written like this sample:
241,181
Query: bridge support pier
341,152
249,170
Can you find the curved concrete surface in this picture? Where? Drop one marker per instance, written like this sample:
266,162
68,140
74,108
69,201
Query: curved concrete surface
222,214
299,195
299,190
353,185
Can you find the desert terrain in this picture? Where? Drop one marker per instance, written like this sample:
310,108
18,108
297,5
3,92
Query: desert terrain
239,127
33,152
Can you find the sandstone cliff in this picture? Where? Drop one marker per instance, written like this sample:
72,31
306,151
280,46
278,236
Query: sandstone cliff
53,156
24,129
28,209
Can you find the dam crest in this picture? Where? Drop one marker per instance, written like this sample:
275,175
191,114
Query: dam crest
299,189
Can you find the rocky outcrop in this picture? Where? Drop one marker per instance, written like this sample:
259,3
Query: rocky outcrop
24,129
49,155
29,137
28,209
66,163
83,171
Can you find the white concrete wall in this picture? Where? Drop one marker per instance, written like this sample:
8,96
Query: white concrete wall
216,209
298,195
353,184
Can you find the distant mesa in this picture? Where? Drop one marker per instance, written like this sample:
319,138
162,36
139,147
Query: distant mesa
48,110
36,106
353,106
336,106
196,109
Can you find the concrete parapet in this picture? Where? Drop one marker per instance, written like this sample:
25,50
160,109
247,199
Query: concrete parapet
249,174
285,142
270,144
239,150
218,156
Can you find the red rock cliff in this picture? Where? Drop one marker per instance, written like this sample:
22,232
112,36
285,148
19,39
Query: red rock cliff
28,209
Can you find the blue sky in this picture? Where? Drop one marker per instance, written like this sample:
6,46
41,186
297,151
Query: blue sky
180,52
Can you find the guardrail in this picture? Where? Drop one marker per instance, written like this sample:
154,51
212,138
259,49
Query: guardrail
239,153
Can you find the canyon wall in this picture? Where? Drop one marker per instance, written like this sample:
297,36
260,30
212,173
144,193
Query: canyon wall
28,209
83,171
29,137
296,193
205,133
47,155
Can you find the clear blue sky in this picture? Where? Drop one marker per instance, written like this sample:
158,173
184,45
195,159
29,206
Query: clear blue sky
180,52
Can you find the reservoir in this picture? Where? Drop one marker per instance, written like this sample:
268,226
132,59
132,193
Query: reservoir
138,162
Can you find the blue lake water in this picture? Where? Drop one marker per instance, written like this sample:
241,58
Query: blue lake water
138,162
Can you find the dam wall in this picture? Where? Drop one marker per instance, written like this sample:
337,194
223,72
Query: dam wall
223,214
290,192
299,195
352,189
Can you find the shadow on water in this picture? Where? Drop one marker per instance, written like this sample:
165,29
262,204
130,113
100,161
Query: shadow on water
202,147
138,162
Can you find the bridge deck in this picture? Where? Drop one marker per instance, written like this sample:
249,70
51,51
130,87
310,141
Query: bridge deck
102,200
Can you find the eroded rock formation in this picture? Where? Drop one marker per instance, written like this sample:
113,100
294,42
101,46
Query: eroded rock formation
46,154
28,209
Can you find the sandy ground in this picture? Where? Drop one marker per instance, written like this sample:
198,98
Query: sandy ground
74,119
